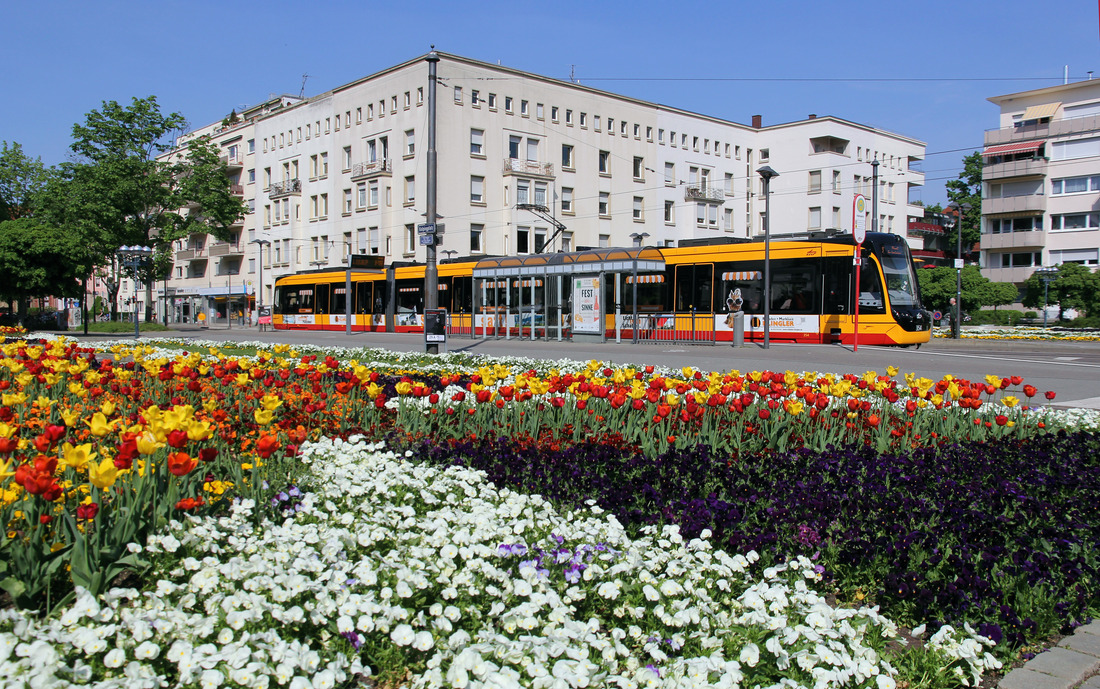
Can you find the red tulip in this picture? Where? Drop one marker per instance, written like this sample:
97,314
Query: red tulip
1050,394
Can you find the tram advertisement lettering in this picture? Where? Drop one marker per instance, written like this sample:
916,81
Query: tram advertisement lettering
781,324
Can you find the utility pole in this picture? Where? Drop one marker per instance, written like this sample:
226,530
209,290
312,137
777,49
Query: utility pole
431,273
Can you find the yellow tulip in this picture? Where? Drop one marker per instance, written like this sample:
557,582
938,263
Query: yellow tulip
210,404
241,379
995,381
76,457
199,430
99,425
6,431
44,402
147,444
24,379
271,402
263,416
104,474
1010,401
404,387
672,399
15,399
5,469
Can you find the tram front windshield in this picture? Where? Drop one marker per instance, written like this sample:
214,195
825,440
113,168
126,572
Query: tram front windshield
901,282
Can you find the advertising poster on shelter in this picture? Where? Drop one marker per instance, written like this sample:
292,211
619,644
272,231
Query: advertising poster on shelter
586,305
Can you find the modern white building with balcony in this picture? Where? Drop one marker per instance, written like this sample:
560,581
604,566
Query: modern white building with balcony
519,154
1041,182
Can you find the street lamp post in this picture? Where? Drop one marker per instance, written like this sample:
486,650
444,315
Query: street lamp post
133,257
1047,275
260,244
960,209
639,237
767,174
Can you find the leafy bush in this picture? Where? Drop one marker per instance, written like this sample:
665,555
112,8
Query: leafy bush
1030,315
986,317
1085,322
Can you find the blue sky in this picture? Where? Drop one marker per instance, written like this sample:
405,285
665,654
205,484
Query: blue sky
922,69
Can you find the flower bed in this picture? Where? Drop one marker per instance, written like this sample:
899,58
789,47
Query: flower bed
1021,332
100,452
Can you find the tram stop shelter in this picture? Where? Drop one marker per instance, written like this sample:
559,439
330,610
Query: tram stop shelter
563,291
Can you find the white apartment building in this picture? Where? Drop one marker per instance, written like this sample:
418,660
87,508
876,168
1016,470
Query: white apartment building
346,171
1041,182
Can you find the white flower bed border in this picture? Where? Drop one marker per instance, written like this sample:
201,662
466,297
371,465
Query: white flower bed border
438,568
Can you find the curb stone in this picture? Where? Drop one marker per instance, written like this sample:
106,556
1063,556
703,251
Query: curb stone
1074,662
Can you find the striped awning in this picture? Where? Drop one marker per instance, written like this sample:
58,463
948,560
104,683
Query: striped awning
742,275
1038,112
526,283
1018,147
645,279
409,289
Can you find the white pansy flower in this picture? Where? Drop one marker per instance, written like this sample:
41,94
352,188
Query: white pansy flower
402,635
115,657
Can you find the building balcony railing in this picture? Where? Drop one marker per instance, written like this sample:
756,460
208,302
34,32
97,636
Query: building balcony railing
285,188
374,168
236,189
1014,204
191,254
1045,130
924,228
233,161
226,249
711,194
514,166
1035,239
1015,168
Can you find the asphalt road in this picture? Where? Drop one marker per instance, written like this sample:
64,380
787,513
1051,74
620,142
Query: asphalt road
1071,369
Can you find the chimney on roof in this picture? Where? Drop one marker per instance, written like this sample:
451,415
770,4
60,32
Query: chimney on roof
812,116
757,121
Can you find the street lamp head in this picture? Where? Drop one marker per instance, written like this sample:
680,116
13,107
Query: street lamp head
767,173
261,242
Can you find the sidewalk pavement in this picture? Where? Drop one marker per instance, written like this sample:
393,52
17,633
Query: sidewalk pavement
1073,664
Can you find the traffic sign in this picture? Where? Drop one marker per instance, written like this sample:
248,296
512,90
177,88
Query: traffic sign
859,218
427,240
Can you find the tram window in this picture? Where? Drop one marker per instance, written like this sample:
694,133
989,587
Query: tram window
296,299
838,284
321,303
461,299
652,294
748,278
339,303
693,287
526,298
794,286
363,298
410,296
870,287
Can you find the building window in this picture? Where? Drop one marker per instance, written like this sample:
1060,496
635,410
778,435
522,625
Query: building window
670,174
1074,185
361,196
566,241
584,120
523,109
815,182
553,113
410,190
492,101
605,199
375,243
324,165
410,143
359,116
523,238
508,104
477,189
347,158
420,96
476,232
251,146
836,183
569,118
324,205
540,194
765,155
605,163
728,188
475,98
514,143
639,168
523,191
533,150
252,176
477,142
639,208
661,136
567,200
410,239
836,217
539,113
347,201
1074,221
605,241
372,199
566,157
670,212
815,218
393,108
337,123
458,95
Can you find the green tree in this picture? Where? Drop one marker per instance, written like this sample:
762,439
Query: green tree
136,187
37,262
938,285
966,189
998,294
1074,286
21,179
